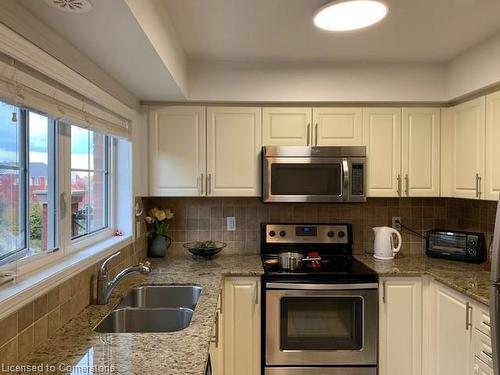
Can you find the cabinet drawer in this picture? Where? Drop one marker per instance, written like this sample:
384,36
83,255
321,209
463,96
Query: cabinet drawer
480,368
482,321
482,347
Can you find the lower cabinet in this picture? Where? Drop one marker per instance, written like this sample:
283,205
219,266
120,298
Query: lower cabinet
429,328
400,329
450,331
238,343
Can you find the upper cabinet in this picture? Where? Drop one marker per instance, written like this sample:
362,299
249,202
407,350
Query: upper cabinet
421,152
465,138
290,126
492,175
337,127
287,126
192,155
177,154
382,132
233,151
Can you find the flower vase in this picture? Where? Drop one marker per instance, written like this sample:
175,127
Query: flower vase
159,246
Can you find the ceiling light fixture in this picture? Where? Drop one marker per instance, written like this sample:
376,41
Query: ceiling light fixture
345,15
71,6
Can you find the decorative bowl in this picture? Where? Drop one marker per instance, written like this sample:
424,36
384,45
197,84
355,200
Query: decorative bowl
205,249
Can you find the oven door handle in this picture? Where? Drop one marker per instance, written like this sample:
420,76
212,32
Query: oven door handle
293,286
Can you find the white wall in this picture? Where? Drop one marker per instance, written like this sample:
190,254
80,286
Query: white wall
475,69
140,153
244,82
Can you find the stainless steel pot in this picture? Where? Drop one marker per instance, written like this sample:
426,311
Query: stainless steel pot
291,261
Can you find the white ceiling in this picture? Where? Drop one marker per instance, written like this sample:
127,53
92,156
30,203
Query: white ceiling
282,30
111,37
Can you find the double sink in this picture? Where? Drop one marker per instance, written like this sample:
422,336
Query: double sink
153,308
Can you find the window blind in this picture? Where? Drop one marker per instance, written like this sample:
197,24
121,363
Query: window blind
21,88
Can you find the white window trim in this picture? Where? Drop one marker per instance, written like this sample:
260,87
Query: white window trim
35,284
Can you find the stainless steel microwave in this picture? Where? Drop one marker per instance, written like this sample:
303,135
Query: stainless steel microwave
314,174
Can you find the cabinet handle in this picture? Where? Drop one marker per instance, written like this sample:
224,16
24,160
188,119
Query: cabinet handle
316,134
407,185
399,185
201,184
256,294
468,323
308,133
216,336
480,188
383,292
477,185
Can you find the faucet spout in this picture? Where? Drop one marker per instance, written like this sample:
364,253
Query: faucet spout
105,287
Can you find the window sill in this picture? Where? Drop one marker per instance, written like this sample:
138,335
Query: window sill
30,287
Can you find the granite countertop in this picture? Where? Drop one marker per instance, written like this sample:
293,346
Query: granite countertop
183,352
470,279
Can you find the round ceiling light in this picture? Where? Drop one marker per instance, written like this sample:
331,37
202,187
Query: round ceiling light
71,6
345,15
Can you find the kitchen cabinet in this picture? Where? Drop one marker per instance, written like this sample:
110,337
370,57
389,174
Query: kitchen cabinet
241,315
287,126
198,151
234,141
466,138
421,133
382,132
492,173
217,342
450,349
337,127
177,147
400,319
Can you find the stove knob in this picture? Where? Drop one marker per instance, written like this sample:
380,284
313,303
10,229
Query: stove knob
330,234
282,233
272,233
341,234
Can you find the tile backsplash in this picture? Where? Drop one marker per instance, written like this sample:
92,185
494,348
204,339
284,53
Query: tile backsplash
204,219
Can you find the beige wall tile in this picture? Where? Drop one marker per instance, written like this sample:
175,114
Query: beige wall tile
8,352
25,343
8,328
41,306
41,330
25,316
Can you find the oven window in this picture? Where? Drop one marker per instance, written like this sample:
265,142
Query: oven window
306,179
321,323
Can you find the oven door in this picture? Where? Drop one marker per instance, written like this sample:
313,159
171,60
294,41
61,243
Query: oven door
305,179
321,324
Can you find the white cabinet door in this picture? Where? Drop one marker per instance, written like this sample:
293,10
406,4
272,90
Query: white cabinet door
177,151
287,126
421,152
492,175
400,340
241,311
382,132
234,141
450,339
467,148
217,343
338,127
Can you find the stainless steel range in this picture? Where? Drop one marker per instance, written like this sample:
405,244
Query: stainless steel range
321,313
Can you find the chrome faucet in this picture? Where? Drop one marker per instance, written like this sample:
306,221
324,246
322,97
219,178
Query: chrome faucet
104,287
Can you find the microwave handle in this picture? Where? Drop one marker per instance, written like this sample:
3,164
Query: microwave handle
346,182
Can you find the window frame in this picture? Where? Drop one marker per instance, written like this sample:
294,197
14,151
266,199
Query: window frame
81,242
61,178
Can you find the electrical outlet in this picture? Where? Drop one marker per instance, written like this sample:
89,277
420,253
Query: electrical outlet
396,223
231,223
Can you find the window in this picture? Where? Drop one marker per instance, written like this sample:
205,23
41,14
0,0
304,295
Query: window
27,210
32,175
89,182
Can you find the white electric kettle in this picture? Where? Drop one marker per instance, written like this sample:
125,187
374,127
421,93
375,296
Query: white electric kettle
384,243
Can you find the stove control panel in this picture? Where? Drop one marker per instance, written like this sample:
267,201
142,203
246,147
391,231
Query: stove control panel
299,233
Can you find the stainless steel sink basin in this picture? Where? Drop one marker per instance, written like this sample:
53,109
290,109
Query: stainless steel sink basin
124,320
163,296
